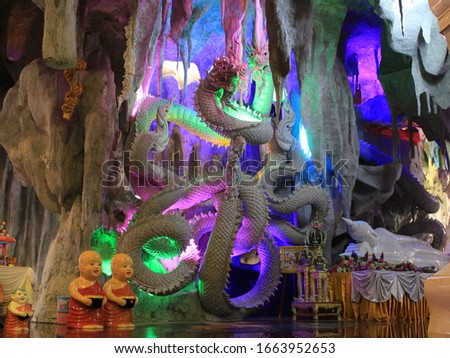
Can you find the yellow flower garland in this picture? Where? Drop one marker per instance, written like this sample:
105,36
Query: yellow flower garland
71,98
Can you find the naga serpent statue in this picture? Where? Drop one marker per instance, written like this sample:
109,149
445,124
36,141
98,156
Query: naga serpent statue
240,218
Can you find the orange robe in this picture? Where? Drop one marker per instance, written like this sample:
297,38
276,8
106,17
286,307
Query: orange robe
17,323
80,315
115,314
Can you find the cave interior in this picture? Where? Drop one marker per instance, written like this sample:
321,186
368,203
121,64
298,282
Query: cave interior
351,97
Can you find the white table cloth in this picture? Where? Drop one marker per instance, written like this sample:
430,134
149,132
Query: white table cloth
379,286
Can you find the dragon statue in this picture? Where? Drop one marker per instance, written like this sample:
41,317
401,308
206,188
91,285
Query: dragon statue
214,105
239,221
238,226
245,213
283,159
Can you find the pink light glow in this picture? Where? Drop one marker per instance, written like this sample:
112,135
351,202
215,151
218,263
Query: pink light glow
143,90
121,227
191,253
233,13
260,34
139,97
170,264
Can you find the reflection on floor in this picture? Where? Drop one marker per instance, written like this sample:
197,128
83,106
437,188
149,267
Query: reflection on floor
250,328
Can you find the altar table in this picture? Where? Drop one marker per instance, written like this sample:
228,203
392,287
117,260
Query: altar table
12,278
380,295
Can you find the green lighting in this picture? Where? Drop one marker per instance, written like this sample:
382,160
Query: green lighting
153,264
242,114
162,247
245,114
104,242
179,115
304,142
219,93
192,287
150,333
264,95
201,286
106,267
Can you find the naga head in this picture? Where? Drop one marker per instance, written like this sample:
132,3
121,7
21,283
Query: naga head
226,74
283,132
164,109
258,56
361,231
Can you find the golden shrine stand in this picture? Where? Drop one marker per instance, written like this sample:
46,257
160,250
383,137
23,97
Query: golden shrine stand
437,291
313,299
400,296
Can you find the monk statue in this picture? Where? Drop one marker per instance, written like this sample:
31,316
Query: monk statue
86,294
19,312
121,298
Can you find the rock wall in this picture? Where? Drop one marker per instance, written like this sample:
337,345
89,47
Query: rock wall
52,168
33,226
59,162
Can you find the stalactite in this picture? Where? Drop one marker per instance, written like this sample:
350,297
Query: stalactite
153,53
421,40
198,12
129,57
289,26
401,16
185,62
138,33
159,52
233,24
233,13
179,20
181,13
59,45
259,31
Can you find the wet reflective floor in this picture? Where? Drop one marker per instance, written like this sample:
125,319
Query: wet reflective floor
265,327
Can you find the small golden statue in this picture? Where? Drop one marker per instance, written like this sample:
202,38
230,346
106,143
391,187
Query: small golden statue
121,298
86,294
19,312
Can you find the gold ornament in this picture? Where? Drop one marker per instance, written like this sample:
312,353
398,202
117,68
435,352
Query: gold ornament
75,91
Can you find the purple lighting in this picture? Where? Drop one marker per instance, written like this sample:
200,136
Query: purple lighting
362,61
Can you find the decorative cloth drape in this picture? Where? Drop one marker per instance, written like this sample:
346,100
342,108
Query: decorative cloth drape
379,286
380,297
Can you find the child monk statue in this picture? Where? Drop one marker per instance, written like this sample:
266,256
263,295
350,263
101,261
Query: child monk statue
86,294
121,298
19,312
